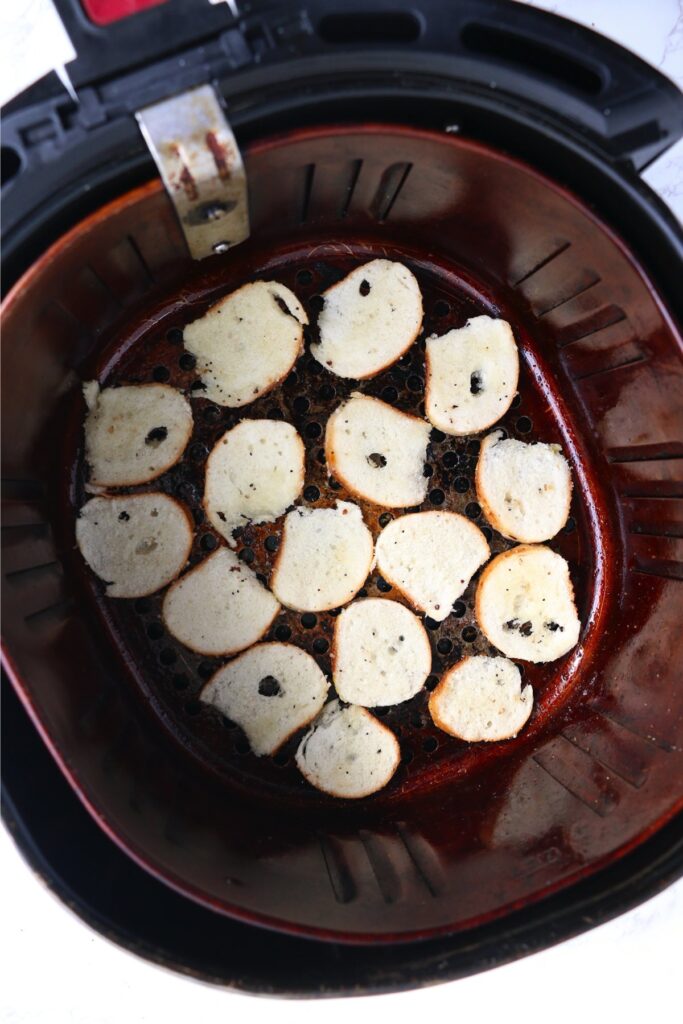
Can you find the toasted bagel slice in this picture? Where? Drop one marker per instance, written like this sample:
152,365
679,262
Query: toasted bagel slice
134,433
247,342
381,653
348,752
525,604
431,557
271,691
481,700
524,489
472,375
378,452
219,607
369,320
136,543
253,474
325,556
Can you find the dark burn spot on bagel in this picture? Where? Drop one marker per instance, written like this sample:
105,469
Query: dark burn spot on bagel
364,287
284,307
221,516
554,626
525,629
156,436
476,383
269,687
123,517
377,460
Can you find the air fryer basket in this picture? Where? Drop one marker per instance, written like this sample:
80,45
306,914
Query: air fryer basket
464,833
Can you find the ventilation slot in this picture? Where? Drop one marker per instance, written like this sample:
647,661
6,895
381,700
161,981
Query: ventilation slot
530,55
370,27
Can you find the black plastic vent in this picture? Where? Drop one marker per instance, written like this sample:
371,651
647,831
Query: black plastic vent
532,56
370,27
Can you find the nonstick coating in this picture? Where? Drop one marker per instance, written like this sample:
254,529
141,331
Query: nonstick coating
170,675
464,832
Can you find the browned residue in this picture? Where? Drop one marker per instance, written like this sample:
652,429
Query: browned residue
185,178
221,155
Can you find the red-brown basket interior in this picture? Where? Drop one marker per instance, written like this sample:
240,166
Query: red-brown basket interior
464,832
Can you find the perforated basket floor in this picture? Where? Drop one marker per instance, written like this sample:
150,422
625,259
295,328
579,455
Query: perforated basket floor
464,832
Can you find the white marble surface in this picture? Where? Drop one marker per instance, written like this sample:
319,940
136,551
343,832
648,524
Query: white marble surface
56,970
653,30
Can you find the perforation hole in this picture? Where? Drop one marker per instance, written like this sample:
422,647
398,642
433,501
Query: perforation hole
309,620
389,395
197,451
444,646
205,669
437,497
430,744
469,634
174,335
272,543
472,510
523,425
432,683
459,609
311,493
208,542
247,555
187,361
461,484
304,277
301,404
321,645
442,308
313,430
160,374
155,631
283,633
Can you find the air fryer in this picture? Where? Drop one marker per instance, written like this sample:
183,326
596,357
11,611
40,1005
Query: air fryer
496,151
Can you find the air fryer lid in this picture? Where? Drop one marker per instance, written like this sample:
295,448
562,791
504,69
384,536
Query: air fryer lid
464,833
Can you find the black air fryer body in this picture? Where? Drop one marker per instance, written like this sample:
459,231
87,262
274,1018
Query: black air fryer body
576,107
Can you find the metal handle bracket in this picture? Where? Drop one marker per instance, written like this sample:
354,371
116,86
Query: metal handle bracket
201,167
